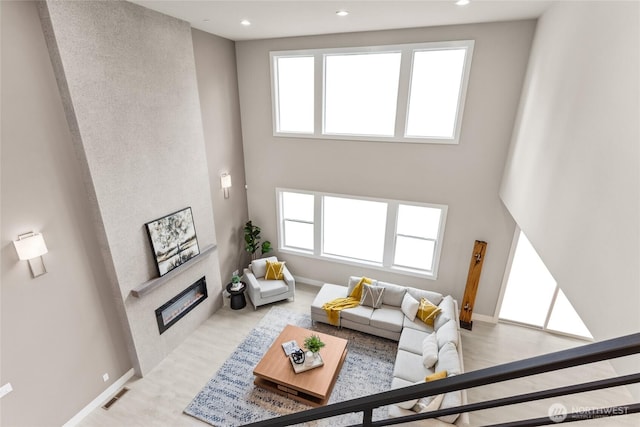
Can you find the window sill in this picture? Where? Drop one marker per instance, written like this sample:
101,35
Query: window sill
373,266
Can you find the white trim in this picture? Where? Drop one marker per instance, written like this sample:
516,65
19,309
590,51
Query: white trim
307,281
99,401
483,318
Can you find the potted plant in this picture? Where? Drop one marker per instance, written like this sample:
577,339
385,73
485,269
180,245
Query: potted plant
235,282
313,344
252,241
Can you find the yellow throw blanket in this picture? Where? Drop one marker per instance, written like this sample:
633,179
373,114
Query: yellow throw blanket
333,308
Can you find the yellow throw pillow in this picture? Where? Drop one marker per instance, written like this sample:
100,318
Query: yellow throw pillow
427,311
275,271
437,376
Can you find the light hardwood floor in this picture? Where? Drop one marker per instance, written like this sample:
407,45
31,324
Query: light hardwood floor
159,398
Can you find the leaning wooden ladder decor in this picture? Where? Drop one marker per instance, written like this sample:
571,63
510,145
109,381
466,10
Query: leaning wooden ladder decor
473,278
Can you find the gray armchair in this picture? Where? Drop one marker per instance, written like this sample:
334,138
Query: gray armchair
262,291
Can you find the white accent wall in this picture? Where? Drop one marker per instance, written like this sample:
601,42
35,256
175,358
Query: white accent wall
572,181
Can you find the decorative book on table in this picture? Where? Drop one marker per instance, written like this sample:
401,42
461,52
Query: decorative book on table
289,347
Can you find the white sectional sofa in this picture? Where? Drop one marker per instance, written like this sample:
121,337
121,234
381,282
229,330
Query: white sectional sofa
393,320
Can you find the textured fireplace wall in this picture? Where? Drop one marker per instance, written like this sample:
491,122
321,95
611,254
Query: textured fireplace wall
127,79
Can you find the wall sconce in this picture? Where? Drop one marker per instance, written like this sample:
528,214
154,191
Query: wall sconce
30,247
225,183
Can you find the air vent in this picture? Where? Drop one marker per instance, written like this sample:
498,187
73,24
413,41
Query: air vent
115,398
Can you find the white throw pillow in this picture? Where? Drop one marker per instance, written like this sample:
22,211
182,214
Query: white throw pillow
259,266
430,350
410,306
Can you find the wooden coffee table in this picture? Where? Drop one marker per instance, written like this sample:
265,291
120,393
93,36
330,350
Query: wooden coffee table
313,387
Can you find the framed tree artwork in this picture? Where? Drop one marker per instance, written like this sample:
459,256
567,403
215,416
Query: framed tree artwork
173,240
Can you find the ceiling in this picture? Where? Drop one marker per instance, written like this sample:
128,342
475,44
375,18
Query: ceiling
271,19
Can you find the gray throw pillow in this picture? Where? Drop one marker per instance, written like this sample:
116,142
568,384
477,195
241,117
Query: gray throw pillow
372,296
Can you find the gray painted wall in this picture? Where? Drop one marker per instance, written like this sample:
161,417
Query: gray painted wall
466,177
60,332
572,181
132,102
220,105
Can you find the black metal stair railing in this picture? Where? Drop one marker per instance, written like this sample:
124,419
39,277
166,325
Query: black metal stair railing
590,353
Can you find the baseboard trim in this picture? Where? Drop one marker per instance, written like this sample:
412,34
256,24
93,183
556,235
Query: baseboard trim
308,281
484,318
98,401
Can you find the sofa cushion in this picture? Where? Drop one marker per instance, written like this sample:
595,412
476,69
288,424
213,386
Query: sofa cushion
428,404
441,320
259,266
372,296
388,318
430,350
448,333
409,404
448,360
409,306
328,292
418,294
418,325
427,311
393,294
411,340
451,400
359,314
397,382
409,367
354,280
448,307
269,288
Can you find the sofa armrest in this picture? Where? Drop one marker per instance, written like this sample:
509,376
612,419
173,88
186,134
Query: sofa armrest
288,277
250,280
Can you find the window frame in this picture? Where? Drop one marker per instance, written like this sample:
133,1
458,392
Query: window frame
282,219
390,234
404,89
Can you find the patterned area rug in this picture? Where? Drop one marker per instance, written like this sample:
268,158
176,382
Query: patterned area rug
231,399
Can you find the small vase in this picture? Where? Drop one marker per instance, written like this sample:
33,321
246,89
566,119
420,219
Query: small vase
309,358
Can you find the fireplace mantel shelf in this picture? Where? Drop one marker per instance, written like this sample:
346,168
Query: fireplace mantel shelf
152,284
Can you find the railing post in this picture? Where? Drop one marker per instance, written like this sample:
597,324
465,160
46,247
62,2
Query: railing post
367,417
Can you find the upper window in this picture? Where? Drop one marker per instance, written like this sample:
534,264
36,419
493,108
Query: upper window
379,233
410,93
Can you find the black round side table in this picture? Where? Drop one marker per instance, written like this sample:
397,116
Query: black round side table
238,300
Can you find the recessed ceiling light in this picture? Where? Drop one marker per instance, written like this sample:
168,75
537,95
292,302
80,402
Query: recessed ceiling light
462,2
245,22
342,13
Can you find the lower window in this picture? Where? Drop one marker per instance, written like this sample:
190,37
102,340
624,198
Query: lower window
379,233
